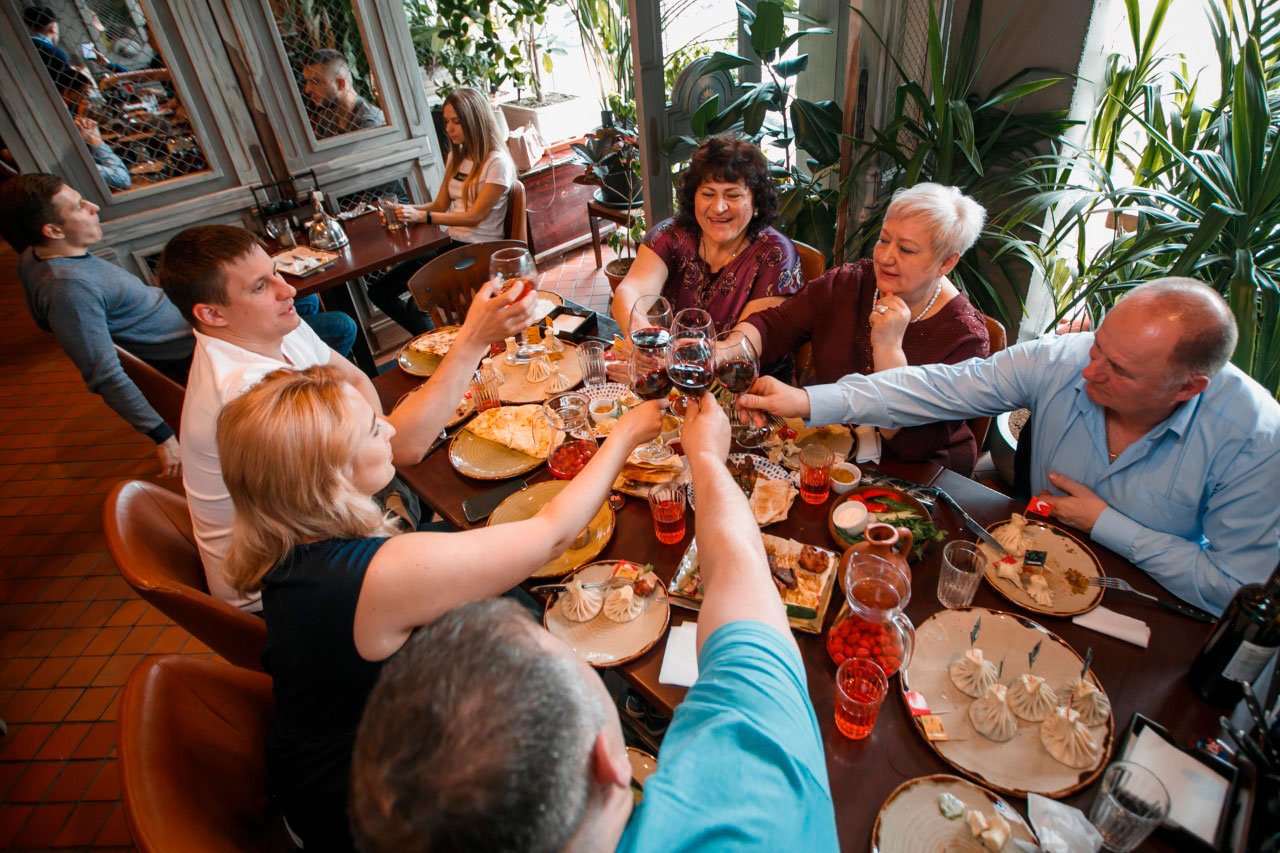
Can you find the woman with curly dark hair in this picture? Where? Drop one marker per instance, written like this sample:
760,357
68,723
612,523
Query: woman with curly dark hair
720,252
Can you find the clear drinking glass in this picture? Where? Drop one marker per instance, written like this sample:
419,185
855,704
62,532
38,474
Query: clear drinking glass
510,268
692,323
591,359
667,508
861,686
387,206
484,389
958,578
280,229
815,472
1131,803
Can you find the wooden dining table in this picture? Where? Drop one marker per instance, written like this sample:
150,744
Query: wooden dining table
864,773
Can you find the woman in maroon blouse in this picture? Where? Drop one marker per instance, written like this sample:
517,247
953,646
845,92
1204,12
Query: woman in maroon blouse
720,253
897,308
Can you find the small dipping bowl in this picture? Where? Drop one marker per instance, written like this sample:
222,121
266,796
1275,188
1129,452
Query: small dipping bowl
604,409
850,517
844,477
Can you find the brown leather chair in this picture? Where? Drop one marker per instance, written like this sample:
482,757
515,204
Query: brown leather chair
516,225
999,340
446,284
812,265
193,773
149,536
164,395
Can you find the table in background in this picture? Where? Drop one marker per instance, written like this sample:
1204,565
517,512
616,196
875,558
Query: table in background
863,773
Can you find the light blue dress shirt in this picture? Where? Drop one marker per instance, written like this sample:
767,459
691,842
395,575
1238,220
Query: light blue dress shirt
1195,503
742,766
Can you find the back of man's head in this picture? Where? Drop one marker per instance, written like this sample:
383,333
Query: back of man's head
331,61
26,206
39,19
477,737
1208,328
192,266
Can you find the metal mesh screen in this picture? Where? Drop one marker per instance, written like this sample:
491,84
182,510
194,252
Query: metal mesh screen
111,74
913,48
370,195
326,52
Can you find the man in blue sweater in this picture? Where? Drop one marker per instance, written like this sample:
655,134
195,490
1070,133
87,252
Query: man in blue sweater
90,304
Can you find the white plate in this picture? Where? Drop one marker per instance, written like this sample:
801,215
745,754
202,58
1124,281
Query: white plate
910,820
600,641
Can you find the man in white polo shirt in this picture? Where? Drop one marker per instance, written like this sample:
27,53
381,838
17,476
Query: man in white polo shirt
225,284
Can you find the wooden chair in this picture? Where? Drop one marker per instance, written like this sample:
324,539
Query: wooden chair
164,395
446,284
812,265
149,536
193,770
999,340
516,225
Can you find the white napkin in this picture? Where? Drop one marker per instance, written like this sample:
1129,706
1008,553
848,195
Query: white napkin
680,662
868,444
1061,828
1117,625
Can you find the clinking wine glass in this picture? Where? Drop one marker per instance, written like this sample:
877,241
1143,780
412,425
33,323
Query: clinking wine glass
649,325
510,268
693,323
690,365
649,381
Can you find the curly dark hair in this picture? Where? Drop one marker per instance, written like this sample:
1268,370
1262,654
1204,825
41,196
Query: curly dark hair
728,159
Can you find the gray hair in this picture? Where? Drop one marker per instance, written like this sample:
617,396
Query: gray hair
954,218
1209,332
476,737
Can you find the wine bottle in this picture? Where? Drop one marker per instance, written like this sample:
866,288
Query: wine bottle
1240,645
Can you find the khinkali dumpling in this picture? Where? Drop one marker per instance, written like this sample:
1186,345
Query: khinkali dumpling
623,605
1013,536
552,342
1092,703
973,675
558,381
1068,740
991,715
539,370
1038,589
1031,698
580,605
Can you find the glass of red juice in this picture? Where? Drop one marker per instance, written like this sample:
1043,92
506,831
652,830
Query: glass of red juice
815,472
861,686
666,506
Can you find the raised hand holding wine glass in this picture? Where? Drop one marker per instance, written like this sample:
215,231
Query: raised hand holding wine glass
649,381
514,267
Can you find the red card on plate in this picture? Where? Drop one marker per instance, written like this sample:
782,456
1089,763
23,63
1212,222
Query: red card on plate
1039,506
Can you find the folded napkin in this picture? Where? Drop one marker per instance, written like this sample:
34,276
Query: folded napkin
868,444
1117,625
680,662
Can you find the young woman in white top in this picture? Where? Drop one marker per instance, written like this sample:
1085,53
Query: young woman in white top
471,203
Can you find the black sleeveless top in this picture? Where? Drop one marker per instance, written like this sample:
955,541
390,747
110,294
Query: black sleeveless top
320,681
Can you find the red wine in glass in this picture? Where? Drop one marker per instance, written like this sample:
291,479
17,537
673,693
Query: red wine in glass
737,375
652,385
650,338
690,378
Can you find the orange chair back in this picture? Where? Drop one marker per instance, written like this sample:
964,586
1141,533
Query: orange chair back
812,265
149,536
516,226
999,340
447,283
164,395
193,771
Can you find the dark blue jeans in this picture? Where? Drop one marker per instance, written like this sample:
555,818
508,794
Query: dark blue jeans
335,328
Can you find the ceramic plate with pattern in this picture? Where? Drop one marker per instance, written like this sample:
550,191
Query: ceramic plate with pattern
1070,564
911,822
526,503
600,641
482,459
768,470
414,360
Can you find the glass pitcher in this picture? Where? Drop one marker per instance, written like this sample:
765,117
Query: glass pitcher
872,624
570,415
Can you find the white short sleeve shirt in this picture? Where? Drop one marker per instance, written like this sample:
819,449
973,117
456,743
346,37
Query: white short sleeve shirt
220,372
498,169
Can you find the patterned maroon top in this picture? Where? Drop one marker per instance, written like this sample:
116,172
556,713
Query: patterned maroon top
832,312
767,266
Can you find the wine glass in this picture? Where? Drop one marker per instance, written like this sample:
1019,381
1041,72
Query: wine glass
737,362
690,365
649,326
649,381
514,267
691,323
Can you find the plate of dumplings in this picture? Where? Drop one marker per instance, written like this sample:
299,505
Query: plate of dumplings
609,626
1058,588
947,813
1022,712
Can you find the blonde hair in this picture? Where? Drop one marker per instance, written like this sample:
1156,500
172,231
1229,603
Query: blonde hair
481,136
286,447
954,218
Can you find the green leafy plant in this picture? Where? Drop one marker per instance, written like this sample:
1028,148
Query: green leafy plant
1204,199
611,154
953,134
605,30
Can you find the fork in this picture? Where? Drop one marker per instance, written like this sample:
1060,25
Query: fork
1122,585
553,588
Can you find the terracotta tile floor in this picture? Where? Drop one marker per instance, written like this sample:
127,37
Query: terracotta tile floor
71,630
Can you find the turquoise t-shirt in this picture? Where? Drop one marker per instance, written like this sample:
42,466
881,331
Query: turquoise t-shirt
742,764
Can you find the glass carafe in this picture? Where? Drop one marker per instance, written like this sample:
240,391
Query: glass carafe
570,415
872,624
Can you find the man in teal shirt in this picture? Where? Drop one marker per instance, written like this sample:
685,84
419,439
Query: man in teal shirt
487,733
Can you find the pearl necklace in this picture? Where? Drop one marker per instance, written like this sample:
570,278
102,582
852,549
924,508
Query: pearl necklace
937,291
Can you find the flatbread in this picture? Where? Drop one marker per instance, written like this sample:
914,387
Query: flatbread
522,428
771,500
437,342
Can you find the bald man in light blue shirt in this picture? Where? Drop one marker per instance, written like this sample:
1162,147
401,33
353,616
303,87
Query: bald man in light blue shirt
1145,437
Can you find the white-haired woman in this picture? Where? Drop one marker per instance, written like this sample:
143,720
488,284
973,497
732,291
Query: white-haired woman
341,591
894,309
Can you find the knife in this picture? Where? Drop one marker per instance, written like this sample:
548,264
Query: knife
482,505
974,527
